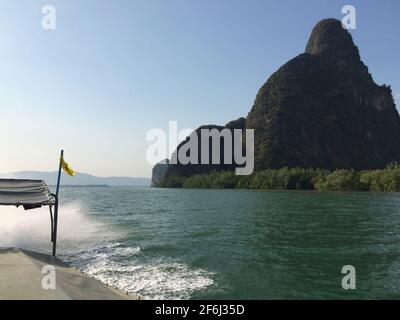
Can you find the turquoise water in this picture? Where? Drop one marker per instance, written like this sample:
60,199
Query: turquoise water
230,244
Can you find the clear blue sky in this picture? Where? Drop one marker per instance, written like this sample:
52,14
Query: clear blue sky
112,70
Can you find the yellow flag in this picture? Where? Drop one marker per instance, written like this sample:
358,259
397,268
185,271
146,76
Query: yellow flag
65,166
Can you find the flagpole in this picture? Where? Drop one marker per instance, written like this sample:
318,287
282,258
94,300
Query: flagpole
56,206
59,173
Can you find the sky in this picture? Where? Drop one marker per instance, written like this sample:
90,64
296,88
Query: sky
113,70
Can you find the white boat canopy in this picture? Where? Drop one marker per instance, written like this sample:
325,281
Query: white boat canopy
30,194
27,193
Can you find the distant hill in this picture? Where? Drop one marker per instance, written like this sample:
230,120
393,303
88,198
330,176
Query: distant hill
79,179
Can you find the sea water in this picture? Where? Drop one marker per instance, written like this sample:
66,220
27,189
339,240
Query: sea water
221,244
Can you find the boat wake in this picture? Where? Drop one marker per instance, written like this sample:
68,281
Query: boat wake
94,247
31,229
129,269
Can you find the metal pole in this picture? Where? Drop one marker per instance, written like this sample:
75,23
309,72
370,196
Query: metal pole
56,207
54,237
59,173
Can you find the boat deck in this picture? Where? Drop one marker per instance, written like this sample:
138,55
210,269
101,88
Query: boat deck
21,279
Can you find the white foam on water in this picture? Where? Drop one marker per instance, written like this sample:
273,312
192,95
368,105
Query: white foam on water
158,279
165,280
91,246
31,229
154,278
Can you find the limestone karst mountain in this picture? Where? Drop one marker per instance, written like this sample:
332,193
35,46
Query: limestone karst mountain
321,109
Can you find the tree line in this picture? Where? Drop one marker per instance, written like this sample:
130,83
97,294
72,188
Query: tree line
380,180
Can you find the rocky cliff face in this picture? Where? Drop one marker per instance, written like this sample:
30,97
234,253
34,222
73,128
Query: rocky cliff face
191,169
321,109
158,172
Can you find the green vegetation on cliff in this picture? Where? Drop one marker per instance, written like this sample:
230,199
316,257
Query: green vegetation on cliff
387,179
